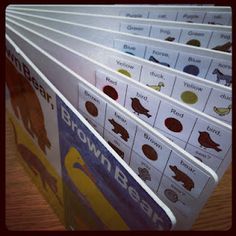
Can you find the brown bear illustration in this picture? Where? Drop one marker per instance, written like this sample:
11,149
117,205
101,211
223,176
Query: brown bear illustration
117,150
182,177
119,129
26,104
37,166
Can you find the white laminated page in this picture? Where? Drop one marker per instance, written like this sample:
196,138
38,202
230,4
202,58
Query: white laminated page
212,65
193,91
200,35
162,164
177,122
197,14
161,219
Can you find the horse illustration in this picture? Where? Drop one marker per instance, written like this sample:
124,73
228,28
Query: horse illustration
221,76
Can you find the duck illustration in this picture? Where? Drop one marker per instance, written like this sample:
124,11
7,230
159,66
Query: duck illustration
138,108
85,182
157,87
222,111
205,141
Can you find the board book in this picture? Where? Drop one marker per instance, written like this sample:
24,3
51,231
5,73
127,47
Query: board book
106,149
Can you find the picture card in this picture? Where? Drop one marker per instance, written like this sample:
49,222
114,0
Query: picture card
188,89
191,14
62,74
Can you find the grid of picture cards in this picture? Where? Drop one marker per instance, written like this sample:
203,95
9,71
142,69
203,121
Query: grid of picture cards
154,81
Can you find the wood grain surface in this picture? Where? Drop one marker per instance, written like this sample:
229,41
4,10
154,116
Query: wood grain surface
26,209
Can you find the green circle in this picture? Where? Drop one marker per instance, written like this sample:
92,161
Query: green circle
189,97
124,72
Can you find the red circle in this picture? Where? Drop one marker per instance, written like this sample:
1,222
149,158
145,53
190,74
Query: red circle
111,92
173,125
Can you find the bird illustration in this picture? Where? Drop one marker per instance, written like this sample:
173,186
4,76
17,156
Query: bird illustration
222,111
205,141
157,87
138,108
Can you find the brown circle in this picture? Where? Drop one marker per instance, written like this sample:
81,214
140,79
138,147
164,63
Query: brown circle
91,108
149,152
173,125
110,91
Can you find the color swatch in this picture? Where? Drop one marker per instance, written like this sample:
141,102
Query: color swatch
189,97
191,69
124,72
173,125
111,92
194,42
91,108
149,152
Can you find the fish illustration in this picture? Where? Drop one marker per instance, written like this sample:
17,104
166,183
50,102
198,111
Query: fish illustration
222,111
157,87
205,141
138,108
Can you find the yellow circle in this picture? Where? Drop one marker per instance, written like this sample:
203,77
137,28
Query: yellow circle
124,72
189,97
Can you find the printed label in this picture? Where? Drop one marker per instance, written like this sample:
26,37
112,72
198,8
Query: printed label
219,105
96,126
211,139
197,38
173,139
210,160
163,15
193,64
220,72
191,16
162,56
135,14
92,105
145,171
221,41
135,49
156,79
191,93
139,29
184,174
142,103
127,68
217,18
165,33
151,149
174,121
114,88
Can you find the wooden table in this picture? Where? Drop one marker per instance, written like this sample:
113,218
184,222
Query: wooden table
26,209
